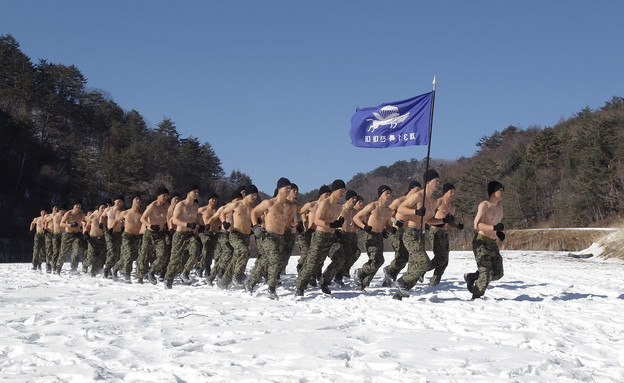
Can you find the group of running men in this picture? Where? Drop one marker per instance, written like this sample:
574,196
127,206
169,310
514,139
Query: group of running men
174,236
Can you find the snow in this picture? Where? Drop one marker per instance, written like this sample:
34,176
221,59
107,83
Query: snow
551,318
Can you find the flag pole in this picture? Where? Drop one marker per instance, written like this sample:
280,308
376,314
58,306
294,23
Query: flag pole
422,221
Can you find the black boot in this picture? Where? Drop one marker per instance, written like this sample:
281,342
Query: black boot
272,294
151,277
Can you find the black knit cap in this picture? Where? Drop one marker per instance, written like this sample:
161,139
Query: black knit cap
430,175
162,190
294,186
413,184
337,185
324,189
283,182
191,188
382,189
493,186
251,189
119,196
447,186
350,194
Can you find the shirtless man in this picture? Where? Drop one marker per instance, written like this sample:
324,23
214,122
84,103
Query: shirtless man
438,234
376,221
57,233
207,237
488,227
130,239
112,234
292,208
37,228
416,215
184,244
48,226
349,237
72,237
326,220
307,214
153,246
275,224
401,254
223,250
239,238
96,244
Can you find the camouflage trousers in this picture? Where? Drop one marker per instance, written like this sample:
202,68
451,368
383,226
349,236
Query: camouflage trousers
320,246
130,245
113,248
287,248
418,263
184,246
270,261
209,244
38,250
161,261
49,248
440,244
401,255
304,246
70,243
349,242
374,249
56,248
153,247
240,257
489,263
96,254
223,254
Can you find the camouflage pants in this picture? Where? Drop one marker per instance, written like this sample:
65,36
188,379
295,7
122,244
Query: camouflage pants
440,244
238,264
287,248
374,249
223,254
38,250
153,247
162,257
349,242
401,255
320,245
96,254
113,248
70,243
269,262
304,245
56,248
130,245
184,245
209,243
49,248
489,262
418,263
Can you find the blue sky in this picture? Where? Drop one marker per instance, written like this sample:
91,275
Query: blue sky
272,85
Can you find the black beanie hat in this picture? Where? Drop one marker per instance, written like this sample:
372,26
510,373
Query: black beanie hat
108,202
294,186
239,190
119,196
191,188
251,189
413,184
350,194
324,189
430,175
447,186
162,190
493,186
283,182
338,184
175,194
235,195
135,196
213,195
382,189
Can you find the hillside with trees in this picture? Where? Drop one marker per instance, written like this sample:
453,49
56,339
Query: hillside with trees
61,140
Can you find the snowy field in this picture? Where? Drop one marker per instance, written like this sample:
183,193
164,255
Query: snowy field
552,318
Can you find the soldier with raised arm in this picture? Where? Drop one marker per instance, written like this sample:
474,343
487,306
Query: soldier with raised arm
488,226
376,221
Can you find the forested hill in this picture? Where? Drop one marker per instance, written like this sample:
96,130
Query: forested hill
61,140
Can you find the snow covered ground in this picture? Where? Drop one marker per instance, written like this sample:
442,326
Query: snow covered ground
552,318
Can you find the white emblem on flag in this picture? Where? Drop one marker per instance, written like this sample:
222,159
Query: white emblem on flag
388,115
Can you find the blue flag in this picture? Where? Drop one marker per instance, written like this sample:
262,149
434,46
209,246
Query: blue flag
401,123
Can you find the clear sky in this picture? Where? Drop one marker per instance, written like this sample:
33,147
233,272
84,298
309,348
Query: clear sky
272,85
